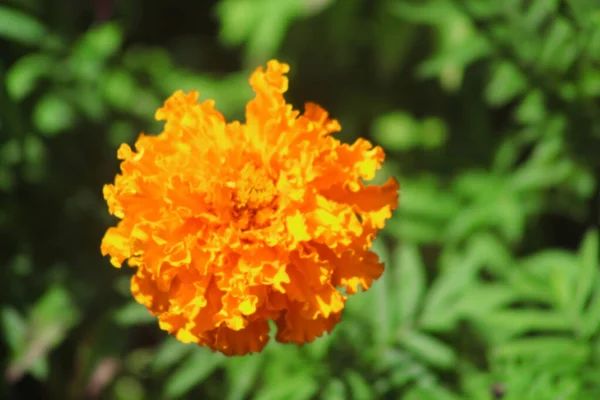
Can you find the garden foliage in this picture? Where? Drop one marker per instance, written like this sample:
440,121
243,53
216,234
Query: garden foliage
489,114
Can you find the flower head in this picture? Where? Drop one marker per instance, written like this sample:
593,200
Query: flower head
232,224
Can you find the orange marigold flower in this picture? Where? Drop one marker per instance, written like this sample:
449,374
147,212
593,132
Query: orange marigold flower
230,225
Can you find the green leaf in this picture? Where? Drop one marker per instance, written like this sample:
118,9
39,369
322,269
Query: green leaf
507,82
531,177
484,9
593,46
497,208
129,388
51,317
529,286
459,272
433,133
450,63
411,282
237,20
133,313
120,89
139,360
544,262
14,329
407,373
319,349
53,115
589,84
415,230
396,131
532,108
11,153
40,369
591,319
299,386
24,74
91,53
588,271
34,150
539,12
242,373
55,307
557,270
260,24
482,299
583,10
428,348
230,92
559,50
494,253
389,359
423,198
432,12
192,373
20,27
429,391
334,390
381,300
359,386
170,352
542,347
511,323
100,42
271,29
476,184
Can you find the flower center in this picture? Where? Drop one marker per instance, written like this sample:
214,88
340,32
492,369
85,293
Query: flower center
255,189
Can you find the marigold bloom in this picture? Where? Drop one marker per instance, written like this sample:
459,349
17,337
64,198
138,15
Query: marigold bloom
230,224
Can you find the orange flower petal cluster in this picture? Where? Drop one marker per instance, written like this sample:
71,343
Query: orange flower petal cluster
231,225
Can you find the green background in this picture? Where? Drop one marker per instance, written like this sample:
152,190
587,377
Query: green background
488,111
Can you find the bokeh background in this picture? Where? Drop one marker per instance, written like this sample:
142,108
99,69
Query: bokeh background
489,114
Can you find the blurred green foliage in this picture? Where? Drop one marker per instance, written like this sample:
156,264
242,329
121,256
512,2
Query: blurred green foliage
488,111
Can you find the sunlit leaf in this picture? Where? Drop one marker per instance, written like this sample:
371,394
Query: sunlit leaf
53,115
479,300
396,131
532,108
170,352
20,27
588,270
299,386
559,50
542,347
129,388
359,386
430,391
428,348
424,199
242,374
506,324
23,76
411,282
431,12
100,42
14,329
507,82
133,313
192,372
459,271
51,317
260,24
334,390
